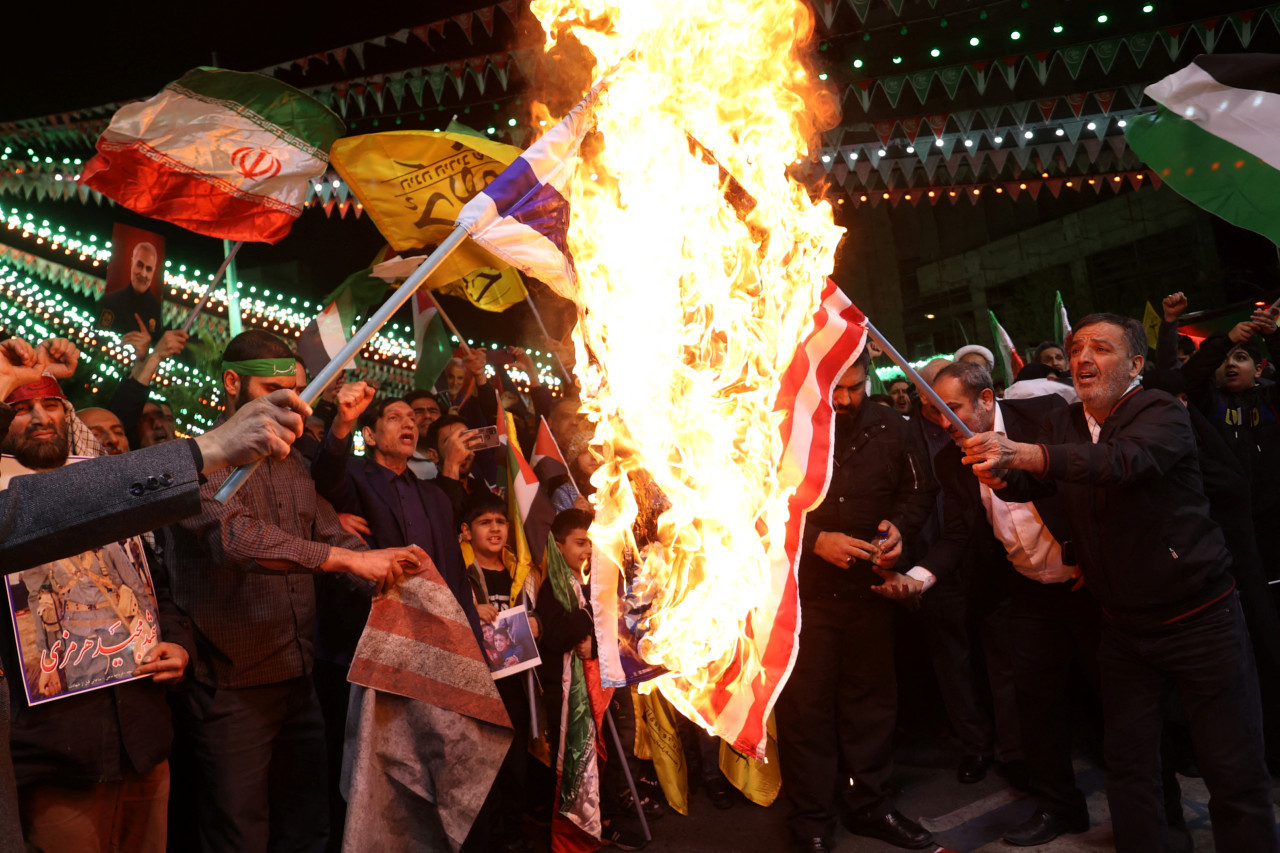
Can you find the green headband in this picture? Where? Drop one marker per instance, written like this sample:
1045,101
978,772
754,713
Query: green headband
263,366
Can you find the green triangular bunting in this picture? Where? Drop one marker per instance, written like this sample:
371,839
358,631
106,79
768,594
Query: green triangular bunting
920,81
1140,46
892,87
1073,57
951,78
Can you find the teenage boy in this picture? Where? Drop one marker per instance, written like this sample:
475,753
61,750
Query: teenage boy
564,631
491,569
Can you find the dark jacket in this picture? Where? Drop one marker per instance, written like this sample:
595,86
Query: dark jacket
358,486
1250,423
98,735
1139,518
967,529
876,474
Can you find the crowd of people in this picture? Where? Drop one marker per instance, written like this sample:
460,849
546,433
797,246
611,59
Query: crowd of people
1097,527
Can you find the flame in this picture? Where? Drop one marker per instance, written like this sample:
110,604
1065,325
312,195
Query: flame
700,263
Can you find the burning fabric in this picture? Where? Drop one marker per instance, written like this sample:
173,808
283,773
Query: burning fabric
700,266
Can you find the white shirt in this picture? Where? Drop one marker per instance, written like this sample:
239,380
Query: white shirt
1030,546
422,467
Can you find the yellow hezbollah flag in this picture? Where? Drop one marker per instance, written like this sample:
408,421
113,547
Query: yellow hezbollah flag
759,781
1151,322
657,739
487,288
413,184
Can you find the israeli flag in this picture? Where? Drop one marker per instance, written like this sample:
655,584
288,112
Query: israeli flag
522,215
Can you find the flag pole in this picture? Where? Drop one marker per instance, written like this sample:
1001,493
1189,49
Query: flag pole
626,769
537,315
443,316
208,291
923,387
318,383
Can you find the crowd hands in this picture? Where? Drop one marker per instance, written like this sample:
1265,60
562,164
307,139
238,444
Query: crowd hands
899,524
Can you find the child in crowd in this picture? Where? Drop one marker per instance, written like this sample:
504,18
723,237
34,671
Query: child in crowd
573,631
491,570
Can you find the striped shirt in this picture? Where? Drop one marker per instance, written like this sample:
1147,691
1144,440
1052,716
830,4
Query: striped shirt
243,572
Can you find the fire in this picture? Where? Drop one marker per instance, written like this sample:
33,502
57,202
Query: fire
700,263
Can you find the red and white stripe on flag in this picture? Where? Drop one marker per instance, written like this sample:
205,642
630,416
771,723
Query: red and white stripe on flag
738,704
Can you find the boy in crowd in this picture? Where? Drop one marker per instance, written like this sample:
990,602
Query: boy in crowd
564,631
491,569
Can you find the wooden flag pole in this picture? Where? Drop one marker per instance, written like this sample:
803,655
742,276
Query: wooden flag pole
445,317
317,385
925,389
208,291
537,315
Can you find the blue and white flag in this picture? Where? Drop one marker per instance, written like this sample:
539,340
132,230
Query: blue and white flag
522,215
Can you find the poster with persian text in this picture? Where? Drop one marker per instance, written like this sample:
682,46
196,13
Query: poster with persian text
81,622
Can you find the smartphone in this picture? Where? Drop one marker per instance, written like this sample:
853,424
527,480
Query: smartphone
481,439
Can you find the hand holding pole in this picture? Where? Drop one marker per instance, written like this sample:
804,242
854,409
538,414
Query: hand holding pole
331,370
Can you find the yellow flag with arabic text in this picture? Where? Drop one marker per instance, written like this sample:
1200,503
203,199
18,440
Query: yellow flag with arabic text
413,184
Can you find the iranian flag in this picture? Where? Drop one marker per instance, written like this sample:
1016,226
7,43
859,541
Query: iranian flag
1010,361
1215,137
221,153
1061,322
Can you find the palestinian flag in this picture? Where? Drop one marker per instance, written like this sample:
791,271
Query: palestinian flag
435,344
221,153
327,334
547,460
1215,137
1010,361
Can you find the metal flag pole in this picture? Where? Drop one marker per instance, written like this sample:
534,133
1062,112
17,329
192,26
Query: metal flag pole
208,291
923,387
537,315
331,370
234,324
626,769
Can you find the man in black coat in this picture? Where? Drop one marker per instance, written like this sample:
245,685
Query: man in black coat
837,712
1051,621
1124,462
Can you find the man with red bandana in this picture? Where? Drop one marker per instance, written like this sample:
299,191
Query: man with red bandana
93,764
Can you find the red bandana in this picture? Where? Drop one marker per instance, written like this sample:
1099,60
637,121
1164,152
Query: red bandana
45,386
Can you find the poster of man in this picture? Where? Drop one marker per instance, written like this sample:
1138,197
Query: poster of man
83,622
508,643
135,278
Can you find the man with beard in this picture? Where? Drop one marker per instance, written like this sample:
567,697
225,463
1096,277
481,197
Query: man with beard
106,427
1036,619
836,714
243,572
136,306
92,768
1123,461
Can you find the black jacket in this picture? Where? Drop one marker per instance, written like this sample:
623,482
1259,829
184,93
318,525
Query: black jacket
967,529
1139,518
876,474
1250,423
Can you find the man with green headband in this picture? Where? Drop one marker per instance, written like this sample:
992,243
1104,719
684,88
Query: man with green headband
243,572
